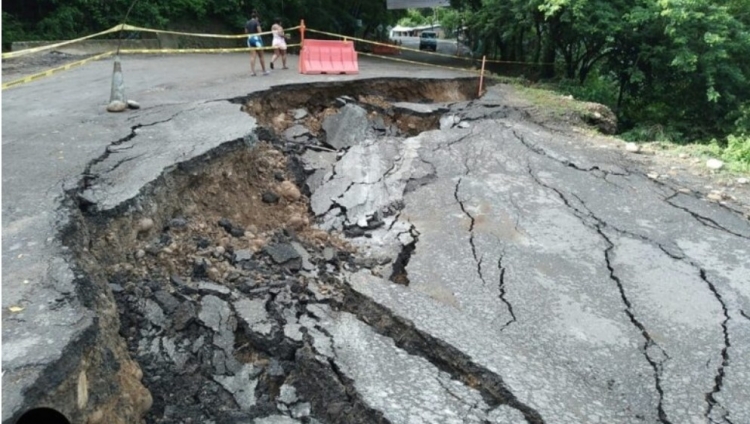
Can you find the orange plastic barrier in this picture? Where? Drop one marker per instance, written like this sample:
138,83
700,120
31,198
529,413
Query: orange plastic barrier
328,57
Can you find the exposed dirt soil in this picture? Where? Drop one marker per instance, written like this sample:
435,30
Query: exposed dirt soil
213,279
174,271
381,93
224,205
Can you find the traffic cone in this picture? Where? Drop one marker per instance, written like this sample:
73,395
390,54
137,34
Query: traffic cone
117,100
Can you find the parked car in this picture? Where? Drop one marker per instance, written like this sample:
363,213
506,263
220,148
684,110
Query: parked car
428,41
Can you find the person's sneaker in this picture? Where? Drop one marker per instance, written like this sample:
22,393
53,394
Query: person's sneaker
266,73
271,65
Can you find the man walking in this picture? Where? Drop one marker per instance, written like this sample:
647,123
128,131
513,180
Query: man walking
253,29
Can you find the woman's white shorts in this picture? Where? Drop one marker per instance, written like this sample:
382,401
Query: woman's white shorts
279,44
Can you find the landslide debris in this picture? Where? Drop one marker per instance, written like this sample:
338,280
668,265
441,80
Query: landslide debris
225,279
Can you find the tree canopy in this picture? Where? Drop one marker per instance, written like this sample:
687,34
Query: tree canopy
66,19
680,65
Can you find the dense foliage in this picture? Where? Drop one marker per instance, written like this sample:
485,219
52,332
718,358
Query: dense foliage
672,69
448,18
65,19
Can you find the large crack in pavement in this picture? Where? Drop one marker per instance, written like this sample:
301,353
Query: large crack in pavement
674,253
444,356
704,220
711,396
214,333
400,275
656,364
720,372
89,177
316,270
595,170
651,350
502,289
478,260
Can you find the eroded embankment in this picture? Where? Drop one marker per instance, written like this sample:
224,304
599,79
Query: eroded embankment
219,278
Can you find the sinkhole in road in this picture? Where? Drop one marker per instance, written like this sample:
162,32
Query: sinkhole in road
211,284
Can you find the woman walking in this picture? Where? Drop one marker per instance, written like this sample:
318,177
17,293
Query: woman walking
279,43
253,29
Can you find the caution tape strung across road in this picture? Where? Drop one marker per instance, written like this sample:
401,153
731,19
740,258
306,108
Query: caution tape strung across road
222,50
125,27
414,62
477,72
52,71
190,34
24,52
72,65
330,34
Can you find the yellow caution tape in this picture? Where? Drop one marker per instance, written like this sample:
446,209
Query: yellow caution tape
24,52
125,27
190,34
72,65
487,75
417,50
222,50
432,65
52,71
477,72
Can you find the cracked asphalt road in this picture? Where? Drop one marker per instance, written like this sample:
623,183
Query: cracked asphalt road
55,131
544,284
593,292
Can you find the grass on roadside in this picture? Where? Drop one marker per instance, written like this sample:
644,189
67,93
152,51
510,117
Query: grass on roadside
554,101
736,155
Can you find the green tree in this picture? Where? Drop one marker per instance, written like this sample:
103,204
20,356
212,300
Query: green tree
414,17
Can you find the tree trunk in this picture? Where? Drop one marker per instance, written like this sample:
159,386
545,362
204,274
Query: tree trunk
549,54
538,47
623,81
548,60
570,70
520,54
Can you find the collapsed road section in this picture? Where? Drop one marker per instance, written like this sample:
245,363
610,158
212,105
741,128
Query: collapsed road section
395,251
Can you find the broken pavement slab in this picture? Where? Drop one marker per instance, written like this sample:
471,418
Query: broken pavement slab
297,133
505,214
503,234
346,128
171,137
405,388
43,157
420,109
369,177
241,385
